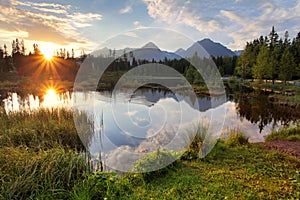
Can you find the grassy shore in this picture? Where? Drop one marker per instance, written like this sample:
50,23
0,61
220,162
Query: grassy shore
40,158
289,134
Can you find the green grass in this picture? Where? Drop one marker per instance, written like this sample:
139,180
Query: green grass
290,134
247,172
29,174
42,129
40,159
236,138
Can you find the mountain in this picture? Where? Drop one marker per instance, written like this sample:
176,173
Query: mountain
180,51
206,48
238,52
215,49
150,45
150,51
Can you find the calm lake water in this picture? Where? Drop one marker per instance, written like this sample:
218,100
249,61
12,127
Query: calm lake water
250,112
124,127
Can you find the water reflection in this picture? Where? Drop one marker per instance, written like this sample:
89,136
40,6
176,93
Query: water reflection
142,122
256,108
151,119
16,103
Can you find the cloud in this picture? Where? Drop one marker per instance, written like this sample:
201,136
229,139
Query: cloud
136,23
46,22
230,22
172,11
12,34
245,27
45,7
131,113
125,10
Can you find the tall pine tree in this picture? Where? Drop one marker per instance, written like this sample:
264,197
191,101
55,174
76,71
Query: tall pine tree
261,69
287,65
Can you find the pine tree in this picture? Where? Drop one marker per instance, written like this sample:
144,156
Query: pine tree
287,65
5,51
274,62
296,52
273,39
36,49
245,61
190,74
286,41
261,69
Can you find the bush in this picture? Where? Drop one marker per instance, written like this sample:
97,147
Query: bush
197,136
97,186
156,160
236,138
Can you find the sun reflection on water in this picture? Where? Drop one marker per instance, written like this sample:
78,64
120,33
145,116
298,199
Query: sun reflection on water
51,98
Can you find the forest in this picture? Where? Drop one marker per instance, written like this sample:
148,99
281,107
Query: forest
271,57
267,57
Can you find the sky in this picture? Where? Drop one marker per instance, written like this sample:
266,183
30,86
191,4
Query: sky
170,24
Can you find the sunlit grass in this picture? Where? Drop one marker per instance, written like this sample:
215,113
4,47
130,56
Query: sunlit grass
42,129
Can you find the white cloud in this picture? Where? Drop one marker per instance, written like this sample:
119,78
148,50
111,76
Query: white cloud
136,23
12,34
81,20
131,113
174,12
245,28
46,7
229,22
125,10
44,22
131,34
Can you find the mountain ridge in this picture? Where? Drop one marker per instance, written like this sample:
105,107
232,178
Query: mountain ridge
206,47
150,51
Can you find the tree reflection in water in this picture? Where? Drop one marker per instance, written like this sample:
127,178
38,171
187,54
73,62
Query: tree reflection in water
256,107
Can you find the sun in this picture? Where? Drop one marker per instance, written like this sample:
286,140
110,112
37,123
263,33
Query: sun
48,54
48,57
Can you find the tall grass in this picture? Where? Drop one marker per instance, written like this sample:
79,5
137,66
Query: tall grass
41,129
39,154
290,134
26,173
235,138
196,138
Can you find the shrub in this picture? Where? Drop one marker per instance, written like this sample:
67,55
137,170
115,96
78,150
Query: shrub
156,160
197,136
236,138
97,186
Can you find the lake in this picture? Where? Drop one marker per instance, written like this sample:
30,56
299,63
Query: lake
124,127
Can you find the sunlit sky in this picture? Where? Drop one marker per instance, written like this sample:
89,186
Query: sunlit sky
84,24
